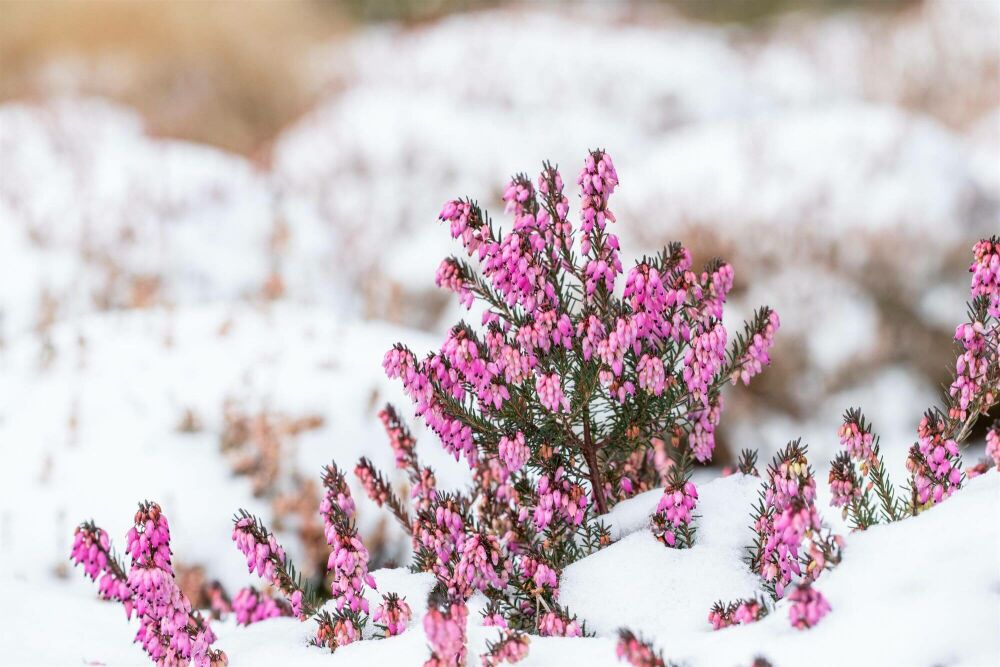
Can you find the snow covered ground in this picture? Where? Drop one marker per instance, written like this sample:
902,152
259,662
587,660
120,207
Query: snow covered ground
843,165
925,591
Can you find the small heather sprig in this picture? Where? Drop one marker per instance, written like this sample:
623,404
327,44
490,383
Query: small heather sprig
252,606
557,624
392,615
672,519
170,631
512,647
993,443
348,561
266,558
784,519
808,607
445,626
739,612
861,451
380,491
934,462
636,652
985,271
92,549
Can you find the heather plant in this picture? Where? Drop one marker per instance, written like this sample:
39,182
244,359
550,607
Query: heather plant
567,399
637,652
738,612
934,461
347,570
791,541
170,631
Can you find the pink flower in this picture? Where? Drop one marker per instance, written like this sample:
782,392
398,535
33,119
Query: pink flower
348,561
808,607
445,629
993,443
252,606
511,648
554,624
673,514
985,271
513,452
758,352
550,393
652,377
393,614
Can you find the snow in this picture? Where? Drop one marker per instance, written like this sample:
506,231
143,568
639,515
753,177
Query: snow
93,430
929,587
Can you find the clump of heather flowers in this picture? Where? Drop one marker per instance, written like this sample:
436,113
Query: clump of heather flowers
170,631
566,399
445,625
672,520
993,443
636,652
934,461
512,647
393,615
791,541
347,569
252,606
739,612
808,607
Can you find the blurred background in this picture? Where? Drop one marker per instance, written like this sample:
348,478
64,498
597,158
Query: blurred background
216,217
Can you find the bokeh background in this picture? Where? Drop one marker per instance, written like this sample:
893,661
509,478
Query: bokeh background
216,217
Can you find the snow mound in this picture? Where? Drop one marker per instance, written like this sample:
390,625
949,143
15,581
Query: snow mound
941,568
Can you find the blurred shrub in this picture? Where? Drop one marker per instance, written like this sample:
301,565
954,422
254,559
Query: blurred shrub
230,74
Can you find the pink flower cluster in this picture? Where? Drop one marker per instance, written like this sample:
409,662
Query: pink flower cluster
972,383
481,565
740,612
513,452
556,624
170,632
511,648
808,607
788,515
673,513
550,392
263,553
393,614
985,271
598,181
934,461
92,549
450,276
845,487
758,353
558,496
253,606
993,443
348,560
445,629
637,652
857,439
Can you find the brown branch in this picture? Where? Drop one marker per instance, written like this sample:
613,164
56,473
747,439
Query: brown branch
590,456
